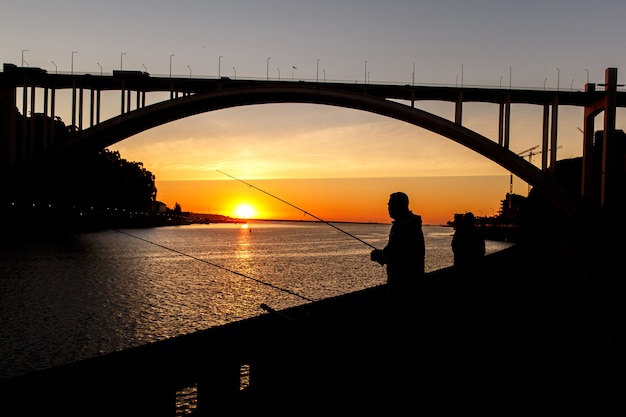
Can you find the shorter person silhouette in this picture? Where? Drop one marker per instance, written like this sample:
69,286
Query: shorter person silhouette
468,243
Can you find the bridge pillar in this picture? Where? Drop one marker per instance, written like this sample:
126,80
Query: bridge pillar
504,123
599,183
545,137
8,116
607,191
587,184
458,110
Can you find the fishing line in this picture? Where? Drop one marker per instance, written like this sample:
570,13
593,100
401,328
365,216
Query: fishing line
215,265
298,208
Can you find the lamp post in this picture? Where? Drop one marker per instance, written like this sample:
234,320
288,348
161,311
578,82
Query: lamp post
72,65
267,70
235,72
558,78
23,50
317,71
293,68
56,69
100,68
544,83
278,69
413,75
461,75
571,85
121,59
219,67
171,55
144,68
587,76
189,71
501,81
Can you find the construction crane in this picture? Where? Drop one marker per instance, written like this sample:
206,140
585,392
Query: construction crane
523,155
529,153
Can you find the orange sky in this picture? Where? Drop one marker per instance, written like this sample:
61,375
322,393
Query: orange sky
337,164
362,200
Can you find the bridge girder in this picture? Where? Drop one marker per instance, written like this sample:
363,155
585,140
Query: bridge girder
126,125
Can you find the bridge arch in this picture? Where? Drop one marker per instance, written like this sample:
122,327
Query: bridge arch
128,124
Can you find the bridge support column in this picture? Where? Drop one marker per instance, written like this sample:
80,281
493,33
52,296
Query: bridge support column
607,192
599,187
545,137
458,111
553,134
587,184
504,123
53,94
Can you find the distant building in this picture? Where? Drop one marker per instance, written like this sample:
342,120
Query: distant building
511,207
159,207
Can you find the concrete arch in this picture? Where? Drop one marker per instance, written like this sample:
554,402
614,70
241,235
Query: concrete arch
137,121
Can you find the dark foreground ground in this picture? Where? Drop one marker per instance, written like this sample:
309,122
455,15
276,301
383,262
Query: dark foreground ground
538,330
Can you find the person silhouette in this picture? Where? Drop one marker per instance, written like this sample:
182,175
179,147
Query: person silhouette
468,243
405,251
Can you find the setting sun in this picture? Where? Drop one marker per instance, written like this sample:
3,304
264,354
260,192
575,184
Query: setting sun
244,211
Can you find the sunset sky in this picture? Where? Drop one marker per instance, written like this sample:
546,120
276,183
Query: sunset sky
338,164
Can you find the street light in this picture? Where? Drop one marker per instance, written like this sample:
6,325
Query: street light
144,68
100,68
293,68
122,57
23,50
56,69
235,72
267,71
413,76
171,55
317,71
189,71
278,69
461,75
219,66
544,83
587,76
558,78
72,65
571,85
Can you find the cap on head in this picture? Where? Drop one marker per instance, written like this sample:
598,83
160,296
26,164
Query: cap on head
399,199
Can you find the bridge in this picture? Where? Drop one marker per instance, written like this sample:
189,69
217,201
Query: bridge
22,147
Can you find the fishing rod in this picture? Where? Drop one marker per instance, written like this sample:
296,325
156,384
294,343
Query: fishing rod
217,266
298,208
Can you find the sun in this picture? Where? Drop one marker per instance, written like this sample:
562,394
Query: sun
244,211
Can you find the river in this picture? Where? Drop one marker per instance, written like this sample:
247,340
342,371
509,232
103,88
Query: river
66,298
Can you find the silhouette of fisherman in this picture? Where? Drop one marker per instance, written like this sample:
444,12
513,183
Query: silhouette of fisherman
405,251
468,243
403,317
